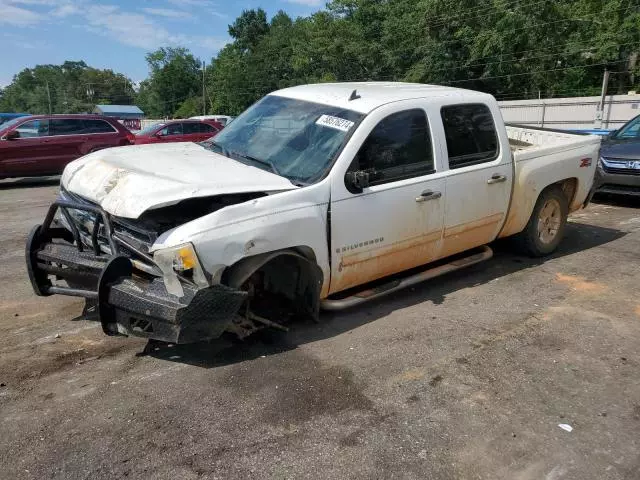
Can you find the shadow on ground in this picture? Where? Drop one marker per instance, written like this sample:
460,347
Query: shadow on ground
26,182
224,351
626,201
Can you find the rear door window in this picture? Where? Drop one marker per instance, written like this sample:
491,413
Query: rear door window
470,133
190,128
206,128
97,126
34,128
65,126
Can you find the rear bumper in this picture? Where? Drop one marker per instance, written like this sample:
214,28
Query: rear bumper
617,183
129,303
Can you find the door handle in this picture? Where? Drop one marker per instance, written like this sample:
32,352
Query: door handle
497,178
428,195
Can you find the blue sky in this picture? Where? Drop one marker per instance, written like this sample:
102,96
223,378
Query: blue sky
116,34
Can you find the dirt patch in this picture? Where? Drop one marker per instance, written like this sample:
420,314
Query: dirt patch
579,284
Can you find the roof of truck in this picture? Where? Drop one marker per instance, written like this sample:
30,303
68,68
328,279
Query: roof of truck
373,94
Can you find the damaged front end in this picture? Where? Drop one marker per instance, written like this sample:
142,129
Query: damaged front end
106,260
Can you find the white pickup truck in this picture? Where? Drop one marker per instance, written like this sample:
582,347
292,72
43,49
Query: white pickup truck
316,197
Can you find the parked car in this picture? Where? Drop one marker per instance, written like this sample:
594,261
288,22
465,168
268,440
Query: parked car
619,166
5,117
223,120
179,131
370,182
44,144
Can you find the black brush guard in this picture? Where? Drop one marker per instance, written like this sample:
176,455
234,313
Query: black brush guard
127,303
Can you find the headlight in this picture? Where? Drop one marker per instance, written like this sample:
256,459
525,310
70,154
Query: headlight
182,261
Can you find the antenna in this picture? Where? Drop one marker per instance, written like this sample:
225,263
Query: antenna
354,95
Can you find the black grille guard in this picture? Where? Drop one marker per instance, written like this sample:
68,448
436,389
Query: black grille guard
128,302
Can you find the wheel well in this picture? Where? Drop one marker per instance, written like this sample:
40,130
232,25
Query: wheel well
288,276
569,187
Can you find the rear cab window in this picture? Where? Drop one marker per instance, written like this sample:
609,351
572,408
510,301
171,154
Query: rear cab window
470,133
399,147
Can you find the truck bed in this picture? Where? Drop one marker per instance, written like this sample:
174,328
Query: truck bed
526,142
544,157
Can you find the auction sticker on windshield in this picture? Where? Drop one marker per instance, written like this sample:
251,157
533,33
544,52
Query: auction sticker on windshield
335,122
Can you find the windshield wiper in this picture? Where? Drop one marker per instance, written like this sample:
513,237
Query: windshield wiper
213,143
269,164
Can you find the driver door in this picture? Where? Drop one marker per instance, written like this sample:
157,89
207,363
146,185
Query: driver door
396,222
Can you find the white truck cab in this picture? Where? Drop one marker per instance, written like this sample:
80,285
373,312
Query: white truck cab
300,203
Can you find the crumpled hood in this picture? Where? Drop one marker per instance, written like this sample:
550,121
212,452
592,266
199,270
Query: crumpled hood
127,181
625,149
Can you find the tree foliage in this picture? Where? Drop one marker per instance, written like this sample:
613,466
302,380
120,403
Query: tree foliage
510,48
72,87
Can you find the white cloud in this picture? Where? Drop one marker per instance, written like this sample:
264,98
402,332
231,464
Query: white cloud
167,12
137,29
141,31
66,10
17,16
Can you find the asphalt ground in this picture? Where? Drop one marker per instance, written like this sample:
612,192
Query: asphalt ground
465,376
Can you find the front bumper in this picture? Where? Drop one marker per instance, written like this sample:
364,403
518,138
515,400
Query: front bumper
618,183
128,301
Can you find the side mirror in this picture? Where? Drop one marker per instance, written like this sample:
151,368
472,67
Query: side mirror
357,181
12,135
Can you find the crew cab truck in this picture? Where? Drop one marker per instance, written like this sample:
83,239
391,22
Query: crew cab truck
316,197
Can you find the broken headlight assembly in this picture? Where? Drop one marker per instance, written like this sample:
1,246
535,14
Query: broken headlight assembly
180,262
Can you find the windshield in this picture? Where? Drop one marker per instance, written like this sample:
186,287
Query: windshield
149,129
11,123
293,138
630,130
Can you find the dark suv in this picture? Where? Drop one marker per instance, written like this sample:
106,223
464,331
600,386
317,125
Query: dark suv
619,166
44,144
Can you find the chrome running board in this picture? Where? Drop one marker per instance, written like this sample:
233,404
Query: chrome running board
394,285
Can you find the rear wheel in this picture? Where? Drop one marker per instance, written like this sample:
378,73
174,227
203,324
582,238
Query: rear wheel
545,229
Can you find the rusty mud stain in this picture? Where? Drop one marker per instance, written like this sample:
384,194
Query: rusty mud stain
490,221
358,269
638,310
579,284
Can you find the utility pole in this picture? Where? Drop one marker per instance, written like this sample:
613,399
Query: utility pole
204,98
49,96
600,112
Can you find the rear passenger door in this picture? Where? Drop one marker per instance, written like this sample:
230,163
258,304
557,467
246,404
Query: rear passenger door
479,179
67,140
99,134
193,132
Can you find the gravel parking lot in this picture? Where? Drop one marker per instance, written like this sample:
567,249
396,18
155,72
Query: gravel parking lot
466,376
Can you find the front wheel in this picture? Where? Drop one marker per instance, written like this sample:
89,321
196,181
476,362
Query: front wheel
545,228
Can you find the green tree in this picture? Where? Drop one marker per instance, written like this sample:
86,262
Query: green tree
72,87
175,76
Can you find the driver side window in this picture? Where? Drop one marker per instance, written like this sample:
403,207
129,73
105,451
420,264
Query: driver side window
399,147
34,128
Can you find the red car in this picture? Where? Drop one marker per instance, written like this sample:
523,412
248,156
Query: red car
44,144
179,131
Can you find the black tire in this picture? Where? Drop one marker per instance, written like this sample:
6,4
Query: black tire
539,241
